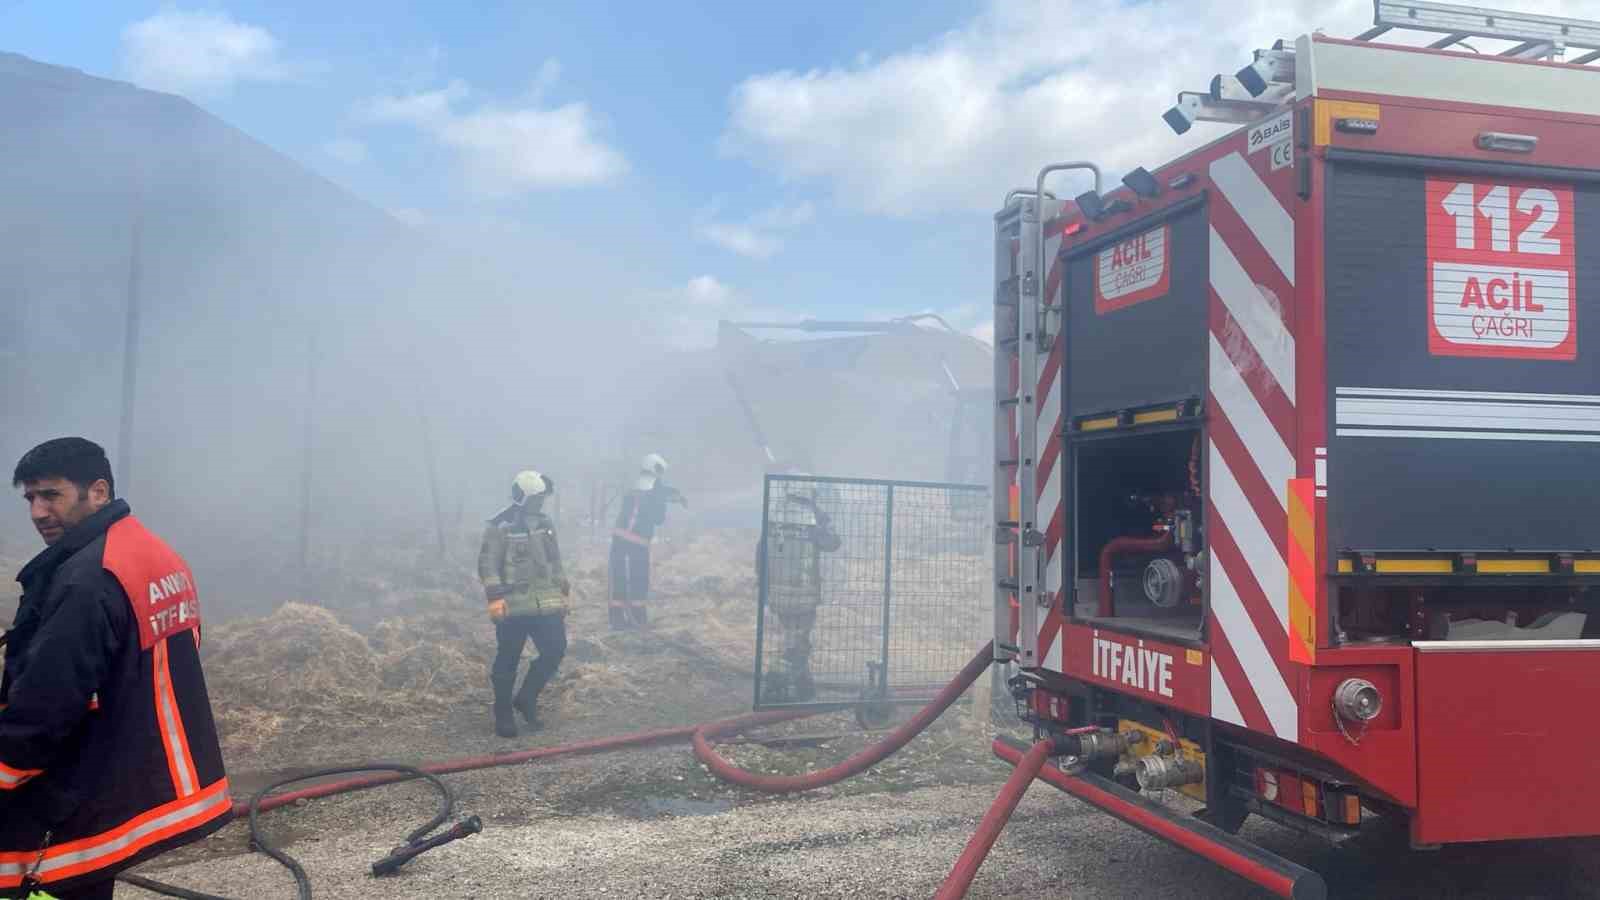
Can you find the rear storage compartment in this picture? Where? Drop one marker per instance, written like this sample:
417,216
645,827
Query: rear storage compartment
1463,341
1463,478
1135,368
1504,734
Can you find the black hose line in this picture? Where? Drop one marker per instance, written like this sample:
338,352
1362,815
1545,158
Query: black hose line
447,802
171,890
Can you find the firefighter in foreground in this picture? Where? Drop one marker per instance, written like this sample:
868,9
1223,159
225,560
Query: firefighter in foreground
789,558
644,508
527,591
108,751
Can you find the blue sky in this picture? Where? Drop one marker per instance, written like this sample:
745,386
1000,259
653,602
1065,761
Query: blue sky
753,159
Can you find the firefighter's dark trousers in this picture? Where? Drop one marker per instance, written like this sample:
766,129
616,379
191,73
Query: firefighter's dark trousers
630,583
549,636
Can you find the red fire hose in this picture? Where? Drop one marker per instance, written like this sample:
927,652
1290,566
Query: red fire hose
855,765
466,763
966,868
701,735
1278,875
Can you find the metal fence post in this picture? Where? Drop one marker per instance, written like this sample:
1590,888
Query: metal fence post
761,588
888,580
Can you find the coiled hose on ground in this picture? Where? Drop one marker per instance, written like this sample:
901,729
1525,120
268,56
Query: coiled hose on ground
700,736
259,803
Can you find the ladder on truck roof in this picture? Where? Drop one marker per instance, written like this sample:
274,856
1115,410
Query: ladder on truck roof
1536,36
1262,88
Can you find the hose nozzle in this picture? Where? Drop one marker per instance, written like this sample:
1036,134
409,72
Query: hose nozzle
403,854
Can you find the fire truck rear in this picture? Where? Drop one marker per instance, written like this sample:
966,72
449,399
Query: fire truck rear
1301,439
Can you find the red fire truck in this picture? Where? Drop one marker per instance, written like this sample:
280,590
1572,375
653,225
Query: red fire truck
1301,439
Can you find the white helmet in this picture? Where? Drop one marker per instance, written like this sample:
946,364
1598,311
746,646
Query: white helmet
651,468
528,483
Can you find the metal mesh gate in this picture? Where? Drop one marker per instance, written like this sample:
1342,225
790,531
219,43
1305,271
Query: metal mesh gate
869,590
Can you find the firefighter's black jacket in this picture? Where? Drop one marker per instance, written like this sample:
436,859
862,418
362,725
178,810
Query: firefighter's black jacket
108,750
643,512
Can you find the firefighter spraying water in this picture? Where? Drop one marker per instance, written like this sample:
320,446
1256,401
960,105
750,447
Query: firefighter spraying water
643,510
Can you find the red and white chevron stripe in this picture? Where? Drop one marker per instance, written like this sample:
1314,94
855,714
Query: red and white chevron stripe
1250,461
1050,464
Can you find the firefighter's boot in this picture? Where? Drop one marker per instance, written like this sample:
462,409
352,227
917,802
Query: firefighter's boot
619,618
638,615
527,700
505,723
805,688
775,688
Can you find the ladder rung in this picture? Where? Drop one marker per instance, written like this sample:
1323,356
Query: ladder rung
1008,342
1008,401
1006,523
1536,35
1005,463
1006,585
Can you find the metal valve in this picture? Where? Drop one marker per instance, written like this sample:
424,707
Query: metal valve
1156,772
1106,744
1357,700
1163,583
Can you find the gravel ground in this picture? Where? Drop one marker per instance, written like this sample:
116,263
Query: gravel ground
859,845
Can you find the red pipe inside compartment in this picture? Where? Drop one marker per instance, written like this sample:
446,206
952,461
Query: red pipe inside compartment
1118,547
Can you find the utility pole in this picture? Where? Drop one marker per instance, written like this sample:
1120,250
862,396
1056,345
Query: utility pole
433,474
130,346
305,467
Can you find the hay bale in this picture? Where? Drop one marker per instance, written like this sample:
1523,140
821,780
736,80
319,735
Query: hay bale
594,685
298,669
431,674
299,656
433,660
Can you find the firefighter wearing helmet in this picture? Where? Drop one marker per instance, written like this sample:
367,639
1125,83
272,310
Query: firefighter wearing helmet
527,592
789,558
644,509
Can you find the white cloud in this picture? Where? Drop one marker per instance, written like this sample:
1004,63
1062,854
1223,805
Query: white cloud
510,149
413,217
757,237
685,317
954,124
741,239
346,150
707,291
423,109
200,53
